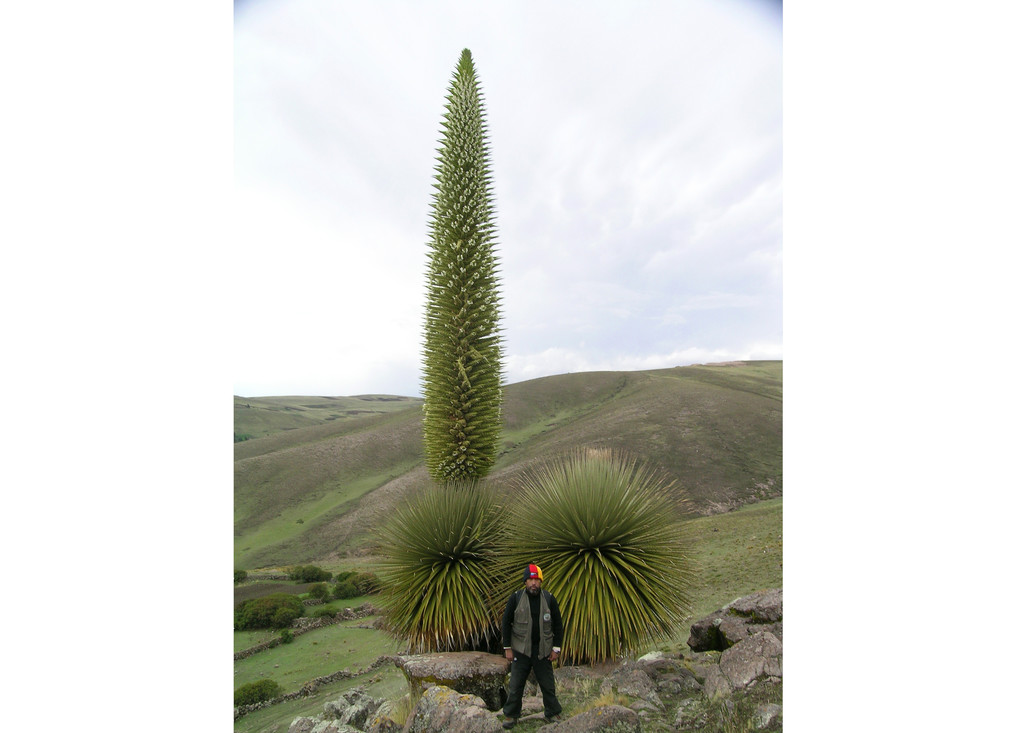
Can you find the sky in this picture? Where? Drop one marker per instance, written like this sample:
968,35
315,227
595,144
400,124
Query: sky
636,151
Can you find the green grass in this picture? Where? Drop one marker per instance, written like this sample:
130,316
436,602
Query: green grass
315,654
247,639
729,552
386,683
263,416
304,518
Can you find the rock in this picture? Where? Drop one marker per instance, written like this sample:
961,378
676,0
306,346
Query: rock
658,663
764,715
679,682
470,673
764,607
353,708
383,724
755,658
688,716
303,725
615,718
716,684
442,709
634,682
317,725
759,657
381,721
333,726
532,704
738,620
651,657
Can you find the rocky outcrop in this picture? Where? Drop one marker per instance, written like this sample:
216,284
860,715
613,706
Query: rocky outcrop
736,687
443,710
738,620
348,714
470,673
353,708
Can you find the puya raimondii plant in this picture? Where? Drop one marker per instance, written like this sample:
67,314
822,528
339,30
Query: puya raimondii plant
443,571
612,550
462,354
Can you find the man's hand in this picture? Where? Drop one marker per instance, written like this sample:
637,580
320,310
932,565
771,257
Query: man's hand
508,654
554,655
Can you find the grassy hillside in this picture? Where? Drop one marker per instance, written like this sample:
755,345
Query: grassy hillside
314,492
256,417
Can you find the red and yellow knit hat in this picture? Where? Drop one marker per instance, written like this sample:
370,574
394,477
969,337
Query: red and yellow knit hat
532,571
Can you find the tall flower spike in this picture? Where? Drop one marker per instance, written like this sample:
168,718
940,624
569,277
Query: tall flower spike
462,356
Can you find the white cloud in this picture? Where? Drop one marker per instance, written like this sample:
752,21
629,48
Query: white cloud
636,154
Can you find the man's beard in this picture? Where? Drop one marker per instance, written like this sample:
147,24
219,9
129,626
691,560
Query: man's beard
533,591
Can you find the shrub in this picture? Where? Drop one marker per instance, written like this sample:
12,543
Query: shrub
442,569
309,574
323,613
286,636
611,548
239,576
254,692
344,589
270,612
366,583
319,591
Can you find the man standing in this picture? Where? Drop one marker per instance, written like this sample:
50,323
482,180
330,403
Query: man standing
531,633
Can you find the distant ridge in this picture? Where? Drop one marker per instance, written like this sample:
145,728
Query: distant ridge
318,474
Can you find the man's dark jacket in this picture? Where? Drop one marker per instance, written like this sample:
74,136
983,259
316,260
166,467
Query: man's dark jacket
516,624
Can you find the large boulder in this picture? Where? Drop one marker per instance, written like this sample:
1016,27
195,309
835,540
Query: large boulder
615,718
443,710
757,658
470,673
738,620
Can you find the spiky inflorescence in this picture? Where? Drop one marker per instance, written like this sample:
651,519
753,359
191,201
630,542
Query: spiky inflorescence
462,369
605,532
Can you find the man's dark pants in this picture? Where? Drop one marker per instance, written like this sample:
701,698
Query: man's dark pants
544,672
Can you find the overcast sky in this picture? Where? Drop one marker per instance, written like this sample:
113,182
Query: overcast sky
636,152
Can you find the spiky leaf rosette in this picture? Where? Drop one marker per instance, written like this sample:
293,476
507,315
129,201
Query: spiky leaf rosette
605,532
462,356
443,572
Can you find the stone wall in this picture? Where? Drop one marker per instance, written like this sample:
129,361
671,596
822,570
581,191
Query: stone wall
302,625
311,687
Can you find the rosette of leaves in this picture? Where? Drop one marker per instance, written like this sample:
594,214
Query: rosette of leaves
462,352
442,571
606,533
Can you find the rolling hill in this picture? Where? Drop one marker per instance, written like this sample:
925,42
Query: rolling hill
320,473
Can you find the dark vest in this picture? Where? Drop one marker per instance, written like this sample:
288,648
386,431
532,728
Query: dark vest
522,641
